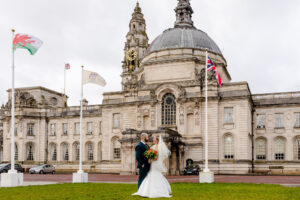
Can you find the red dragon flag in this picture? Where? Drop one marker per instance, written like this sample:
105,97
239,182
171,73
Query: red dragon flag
25,41
92,77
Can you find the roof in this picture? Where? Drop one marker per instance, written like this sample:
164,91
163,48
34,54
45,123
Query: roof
37,88
175,38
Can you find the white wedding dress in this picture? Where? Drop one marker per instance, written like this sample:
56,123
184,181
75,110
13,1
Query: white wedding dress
155,185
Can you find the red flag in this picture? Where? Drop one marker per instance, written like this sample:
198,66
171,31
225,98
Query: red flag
67,66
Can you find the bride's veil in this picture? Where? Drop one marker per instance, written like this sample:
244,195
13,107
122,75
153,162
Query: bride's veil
163,153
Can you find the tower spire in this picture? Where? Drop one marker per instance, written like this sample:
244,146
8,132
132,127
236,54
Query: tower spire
135,46
184,13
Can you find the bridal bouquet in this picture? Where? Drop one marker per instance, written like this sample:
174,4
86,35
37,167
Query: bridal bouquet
151,154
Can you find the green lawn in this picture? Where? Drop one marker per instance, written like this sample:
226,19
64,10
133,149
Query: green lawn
181,191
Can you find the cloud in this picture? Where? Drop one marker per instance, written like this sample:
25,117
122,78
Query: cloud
259,39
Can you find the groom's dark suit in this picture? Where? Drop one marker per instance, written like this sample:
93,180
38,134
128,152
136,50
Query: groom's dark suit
143,164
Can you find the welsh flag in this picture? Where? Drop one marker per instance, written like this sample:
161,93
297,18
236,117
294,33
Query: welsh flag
25,41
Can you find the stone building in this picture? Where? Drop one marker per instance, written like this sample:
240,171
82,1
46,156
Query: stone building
162,94
2,116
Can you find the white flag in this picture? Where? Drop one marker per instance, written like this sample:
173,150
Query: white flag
93,77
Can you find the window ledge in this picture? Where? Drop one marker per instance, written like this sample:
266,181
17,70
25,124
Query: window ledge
257,128
168,126
260,161
228,160
279,128
229,123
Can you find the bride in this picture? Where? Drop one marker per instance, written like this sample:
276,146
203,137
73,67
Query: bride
155,185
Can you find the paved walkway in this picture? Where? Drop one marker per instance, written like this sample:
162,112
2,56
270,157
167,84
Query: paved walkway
37,179
112,178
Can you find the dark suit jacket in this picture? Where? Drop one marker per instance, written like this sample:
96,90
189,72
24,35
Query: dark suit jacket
141,159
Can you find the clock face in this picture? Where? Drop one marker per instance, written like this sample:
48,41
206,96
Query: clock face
131,55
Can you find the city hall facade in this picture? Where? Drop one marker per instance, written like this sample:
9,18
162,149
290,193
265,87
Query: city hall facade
162,94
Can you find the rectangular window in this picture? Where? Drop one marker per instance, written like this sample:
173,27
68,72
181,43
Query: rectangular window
77,128
53,129
298,148
16,129
30,129
261,121
116,120
16,152
261,157
261,149
117,153
228,115
279,120
65,129
279,156
297,118
90,128
100,128
77,151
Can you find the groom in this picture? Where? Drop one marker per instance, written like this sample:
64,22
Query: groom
143,164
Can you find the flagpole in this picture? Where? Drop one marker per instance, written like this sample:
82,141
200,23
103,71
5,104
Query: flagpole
81,97
206,116
12,157
65,81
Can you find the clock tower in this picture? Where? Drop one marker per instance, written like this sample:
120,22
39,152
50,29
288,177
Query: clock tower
135,47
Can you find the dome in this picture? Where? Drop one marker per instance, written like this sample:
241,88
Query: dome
175,38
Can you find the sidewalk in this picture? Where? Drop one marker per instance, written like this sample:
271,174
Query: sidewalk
38,179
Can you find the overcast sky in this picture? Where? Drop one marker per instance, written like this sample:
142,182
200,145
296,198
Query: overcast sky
259,38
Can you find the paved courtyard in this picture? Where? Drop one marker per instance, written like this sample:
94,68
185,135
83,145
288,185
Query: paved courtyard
112,178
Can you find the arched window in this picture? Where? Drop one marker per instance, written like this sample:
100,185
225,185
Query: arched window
90,151
279,149
16,152
65,152
30,152
261,149
116,149
168,109
228,147
76,150
100,151
297,145
53,152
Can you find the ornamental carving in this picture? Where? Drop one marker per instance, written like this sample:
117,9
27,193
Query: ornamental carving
190,110
152,116
182,94
181,115
197,116
153,95
22,99
201,77
141,82
131,83
139,118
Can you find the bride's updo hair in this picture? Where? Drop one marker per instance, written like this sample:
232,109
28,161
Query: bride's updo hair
157,138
